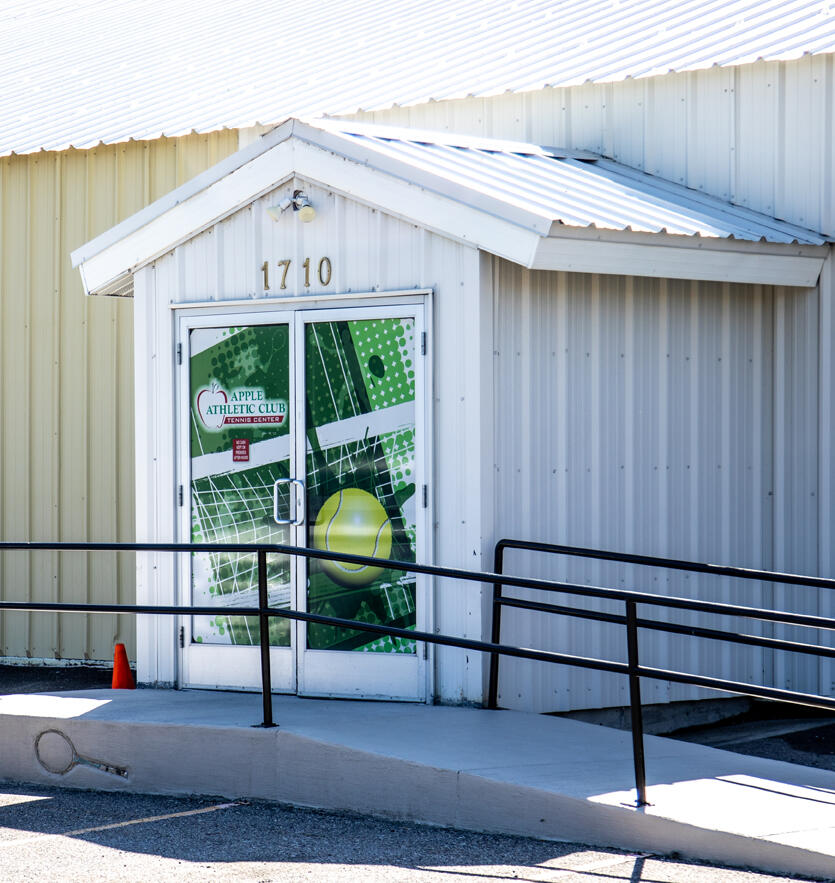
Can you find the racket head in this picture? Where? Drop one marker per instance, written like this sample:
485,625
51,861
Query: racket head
55,752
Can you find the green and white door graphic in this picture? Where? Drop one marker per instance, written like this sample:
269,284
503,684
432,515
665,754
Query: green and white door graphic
305,428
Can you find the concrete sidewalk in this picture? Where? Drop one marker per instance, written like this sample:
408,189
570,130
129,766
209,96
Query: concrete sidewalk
480,770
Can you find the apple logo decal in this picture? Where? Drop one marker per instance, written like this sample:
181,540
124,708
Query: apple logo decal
208,401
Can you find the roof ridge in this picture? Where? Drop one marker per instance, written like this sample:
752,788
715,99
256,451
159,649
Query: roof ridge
444,138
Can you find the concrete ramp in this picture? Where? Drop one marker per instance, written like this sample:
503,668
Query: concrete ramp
482,770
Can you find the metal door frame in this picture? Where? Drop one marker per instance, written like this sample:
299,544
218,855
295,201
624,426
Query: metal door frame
297,312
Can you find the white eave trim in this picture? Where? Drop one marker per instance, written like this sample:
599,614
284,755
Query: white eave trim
269,170
186,219
678,257
417,197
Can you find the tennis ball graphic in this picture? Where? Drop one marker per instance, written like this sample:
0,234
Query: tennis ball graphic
354,522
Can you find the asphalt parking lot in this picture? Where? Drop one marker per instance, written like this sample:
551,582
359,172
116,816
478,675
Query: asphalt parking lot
63,835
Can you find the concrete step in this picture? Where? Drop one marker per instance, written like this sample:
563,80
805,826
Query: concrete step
481,770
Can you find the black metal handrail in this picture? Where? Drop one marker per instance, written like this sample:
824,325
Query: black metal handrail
632,668
769,576
633,623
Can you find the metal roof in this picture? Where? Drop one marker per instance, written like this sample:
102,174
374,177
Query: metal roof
537,206
568,188
76,73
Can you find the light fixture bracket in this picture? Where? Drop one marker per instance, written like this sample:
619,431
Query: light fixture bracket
299,202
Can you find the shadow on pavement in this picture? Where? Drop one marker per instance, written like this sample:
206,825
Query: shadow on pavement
50,679
206,831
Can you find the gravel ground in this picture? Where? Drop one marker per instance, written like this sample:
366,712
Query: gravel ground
62,835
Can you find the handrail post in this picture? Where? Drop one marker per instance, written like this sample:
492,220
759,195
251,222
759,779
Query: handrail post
496,630
264,641
636,717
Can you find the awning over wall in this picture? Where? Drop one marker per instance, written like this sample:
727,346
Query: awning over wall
574,189
541,207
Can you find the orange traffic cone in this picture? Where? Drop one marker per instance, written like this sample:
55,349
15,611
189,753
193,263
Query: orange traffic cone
122,677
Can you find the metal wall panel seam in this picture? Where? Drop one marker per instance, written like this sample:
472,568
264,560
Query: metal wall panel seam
826,474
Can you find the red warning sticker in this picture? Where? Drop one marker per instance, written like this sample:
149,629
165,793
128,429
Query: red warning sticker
240,450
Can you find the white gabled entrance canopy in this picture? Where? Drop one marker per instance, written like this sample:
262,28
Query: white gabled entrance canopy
430,233
543,208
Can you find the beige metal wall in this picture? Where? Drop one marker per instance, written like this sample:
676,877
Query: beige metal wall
66,401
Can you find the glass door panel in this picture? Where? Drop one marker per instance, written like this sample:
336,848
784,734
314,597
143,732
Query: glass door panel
360,403
315,418
239,447
361,480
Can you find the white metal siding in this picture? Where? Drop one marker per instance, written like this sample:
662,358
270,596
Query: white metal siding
759,135
369,251
660,417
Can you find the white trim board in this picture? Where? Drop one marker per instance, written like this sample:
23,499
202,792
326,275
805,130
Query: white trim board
306,299
791,266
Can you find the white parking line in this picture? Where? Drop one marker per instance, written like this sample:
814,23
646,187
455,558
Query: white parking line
144,821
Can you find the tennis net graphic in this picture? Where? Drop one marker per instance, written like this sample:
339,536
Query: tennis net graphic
360,433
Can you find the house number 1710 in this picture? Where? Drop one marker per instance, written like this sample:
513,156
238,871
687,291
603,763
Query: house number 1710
323,271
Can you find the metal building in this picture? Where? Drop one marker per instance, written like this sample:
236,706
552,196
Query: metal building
588,355
732,101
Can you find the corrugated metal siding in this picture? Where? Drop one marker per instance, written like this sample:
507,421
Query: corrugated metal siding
66,444
659,417
760,135
78,73
369,251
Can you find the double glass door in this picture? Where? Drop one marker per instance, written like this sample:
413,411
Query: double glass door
304,428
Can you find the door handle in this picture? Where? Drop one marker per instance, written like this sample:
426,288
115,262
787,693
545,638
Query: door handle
299,501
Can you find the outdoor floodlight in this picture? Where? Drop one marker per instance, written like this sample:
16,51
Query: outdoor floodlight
300,203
